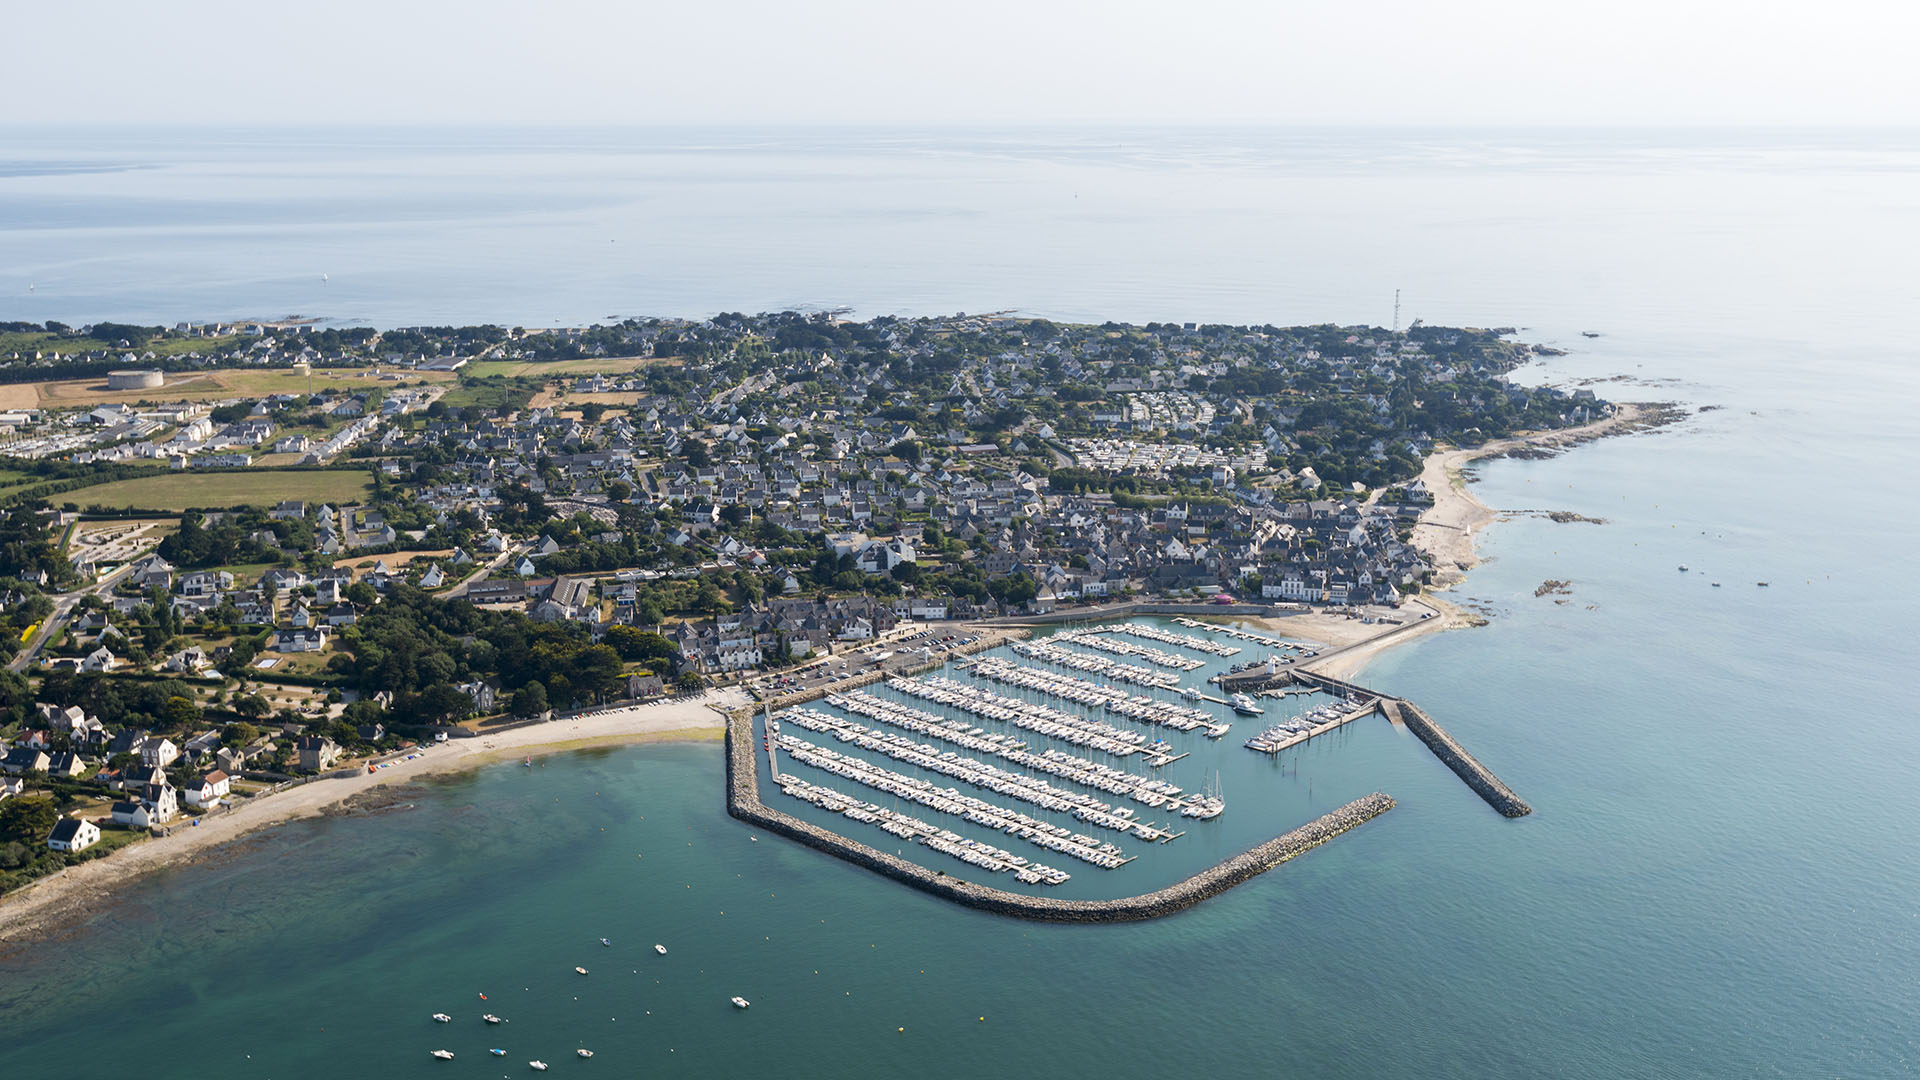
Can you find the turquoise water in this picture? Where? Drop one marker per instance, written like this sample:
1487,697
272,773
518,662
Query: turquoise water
1718,879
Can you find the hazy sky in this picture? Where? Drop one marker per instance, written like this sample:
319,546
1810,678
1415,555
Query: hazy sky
964,62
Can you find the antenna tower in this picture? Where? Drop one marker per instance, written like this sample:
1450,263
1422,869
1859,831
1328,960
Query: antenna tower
1396,311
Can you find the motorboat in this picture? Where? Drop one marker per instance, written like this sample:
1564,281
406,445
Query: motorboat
443,1055
537,1065
741,1003
661,949
607,943
581,970
583,1052
497,1052
492,1019
1246,706
443,1018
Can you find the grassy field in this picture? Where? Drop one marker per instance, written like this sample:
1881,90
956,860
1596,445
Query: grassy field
54,344
186,490
585,366
203,386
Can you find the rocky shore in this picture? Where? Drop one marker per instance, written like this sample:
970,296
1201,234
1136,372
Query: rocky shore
743,802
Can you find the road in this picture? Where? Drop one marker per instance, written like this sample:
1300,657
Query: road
499,561
63,606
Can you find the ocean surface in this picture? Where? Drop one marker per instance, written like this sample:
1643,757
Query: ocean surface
1719,879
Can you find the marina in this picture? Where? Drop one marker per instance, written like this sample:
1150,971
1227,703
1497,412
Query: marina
1039,719
950,801
1116,702
1153,793
1004,739
1297,648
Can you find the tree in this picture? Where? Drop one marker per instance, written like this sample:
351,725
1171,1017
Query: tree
530,700
633,643
239,733
618,490
182,712
688,682
252,706
28,818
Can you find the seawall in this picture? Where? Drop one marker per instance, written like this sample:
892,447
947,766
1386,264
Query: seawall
743,802
1477,776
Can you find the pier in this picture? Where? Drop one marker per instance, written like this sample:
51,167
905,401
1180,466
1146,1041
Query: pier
743,802
1398,710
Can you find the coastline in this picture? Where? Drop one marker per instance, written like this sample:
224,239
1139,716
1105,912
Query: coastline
1446,533
42,908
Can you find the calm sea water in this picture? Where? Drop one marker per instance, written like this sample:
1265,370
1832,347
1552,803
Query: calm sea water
1718,880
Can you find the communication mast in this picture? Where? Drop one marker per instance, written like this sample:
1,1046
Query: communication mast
1396,311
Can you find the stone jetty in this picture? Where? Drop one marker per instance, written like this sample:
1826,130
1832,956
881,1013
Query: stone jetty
1464,765
743,802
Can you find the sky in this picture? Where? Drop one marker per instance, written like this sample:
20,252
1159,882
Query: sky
975,62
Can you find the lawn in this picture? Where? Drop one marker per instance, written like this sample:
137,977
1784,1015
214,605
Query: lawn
55,344
178,491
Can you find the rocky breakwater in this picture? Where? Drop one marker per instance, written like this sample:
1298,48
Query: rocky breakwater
1464,765
743,802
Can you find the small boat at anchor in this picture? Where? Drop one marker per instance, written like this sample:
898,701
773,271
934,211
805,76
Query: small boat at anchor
443,1018
741,1003
584,1052
492,1019
537,1065
607,943
443,1055
581,970
497,1052
661,949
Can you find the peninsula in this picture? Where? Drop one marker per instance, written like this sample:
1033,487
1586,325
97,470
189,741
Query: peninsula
251,569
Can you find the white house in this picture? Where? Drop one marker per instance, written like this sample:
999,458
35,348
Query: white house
300,640
159,753
100,659
207,791
73,834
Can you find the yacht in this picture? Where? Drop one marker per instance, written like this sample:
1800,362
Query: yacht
537,1065
661,949
492,1019
741,1003
443,1055
443,1018
1246,706
1191,693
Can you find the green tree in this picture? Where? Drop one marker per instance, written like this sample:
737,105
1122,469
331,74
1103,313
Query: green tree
28,818
530,700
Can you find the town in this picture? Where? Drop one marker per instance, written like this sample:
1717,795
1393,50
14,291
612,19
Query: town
235,557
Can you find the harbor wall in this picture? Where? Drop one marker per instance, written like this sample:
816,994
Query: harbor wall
1477,776
743,802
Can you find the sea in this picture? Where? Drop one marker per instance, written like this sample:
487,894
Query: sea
1719,878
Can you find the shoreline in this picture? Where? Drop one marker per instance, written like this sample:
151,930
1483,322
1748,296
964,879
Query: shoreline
42,908
1445,532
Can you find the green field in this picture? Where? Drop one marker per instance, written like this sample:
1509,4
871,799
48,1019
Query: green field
584,366
29,342
215,490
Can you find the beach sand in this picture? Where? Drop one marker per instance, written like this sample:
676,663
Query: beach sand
42,907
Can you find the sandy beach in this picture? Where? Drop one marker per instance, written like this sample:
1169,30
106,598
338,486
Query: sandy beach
37,909
1445,532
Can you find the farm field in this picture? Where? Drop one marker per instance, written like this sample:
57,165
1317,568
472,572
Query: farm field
584,366
259,487
203,386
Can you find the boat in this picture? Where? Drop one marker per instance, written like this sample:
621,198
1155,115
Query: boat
1246,706
1762,584
1683,568
741,1003
607,943
537,1065
492,1019
529,762
584,1052
1191,693
581,970
497,1052
661,949
443,1055
443,1018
